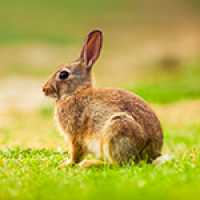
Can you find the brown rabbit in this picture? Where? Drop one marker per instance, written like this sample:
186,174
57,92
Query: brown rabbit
110,123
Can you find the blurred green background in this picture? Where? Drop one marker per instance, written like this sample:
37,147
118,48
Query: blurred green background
151,47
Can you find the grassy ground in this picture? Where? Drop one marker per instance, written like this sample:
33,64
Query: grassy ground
33,174
169,85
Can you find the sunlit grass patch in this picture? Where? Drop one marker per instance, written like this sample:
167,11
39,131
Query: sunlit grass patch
30,129
33,173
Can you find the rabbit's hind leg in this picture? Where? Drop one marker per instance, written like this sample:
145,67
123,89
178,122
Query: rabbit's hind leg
124,139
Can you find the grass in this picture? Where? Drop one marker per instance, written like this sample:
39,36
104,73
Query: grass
33,173
169,87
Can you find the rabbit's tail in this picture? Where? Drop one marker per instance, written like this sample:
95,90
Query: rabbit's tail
163,159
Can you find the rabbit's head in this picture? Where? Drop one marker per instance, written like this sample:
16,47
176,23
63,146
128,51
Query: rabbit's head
73,77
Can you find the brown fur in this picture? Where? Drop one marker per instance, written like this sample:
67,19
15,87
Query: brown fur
111,123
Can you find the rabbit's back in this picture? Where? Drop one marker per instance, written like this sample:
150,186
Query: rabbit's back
120,100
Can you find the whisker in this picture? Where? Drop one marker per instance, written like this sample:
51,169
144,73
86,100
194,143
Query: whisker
42,81
50,105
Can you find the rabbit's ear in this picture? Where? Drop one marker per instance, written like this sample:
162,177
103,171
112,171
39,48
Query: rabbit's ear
91,47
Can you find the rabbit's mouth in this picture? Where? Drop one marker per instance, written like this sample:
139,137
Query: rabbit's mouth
63,96
53,96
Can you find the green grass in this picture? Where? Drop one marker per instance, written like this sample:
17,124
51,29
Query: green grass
33,174
171,86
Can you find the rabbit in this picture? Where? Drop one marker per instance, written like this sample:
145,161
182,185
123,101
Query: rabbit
114,125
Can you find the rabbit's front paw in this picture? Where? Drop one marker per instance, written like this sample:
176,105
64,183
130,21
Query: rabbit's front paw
67,163
90,163
85,164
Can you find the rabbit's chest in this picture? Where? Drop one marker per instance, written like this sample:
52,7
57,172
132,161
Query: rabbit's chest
93,147
63,122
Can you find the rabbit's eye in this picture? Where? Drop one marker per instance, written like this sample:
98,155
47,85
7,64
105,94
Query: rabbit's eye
63,75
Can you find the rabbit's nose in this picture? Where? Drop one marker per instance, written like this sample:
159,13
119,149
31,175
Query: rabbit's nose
45,88
48,89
